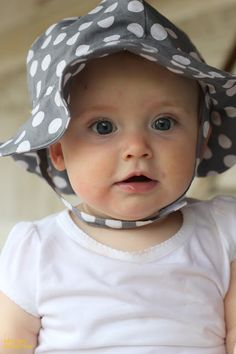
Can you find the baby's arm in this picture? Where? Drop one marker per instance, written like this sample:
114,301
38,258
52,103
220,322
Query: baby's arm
230,313
18,329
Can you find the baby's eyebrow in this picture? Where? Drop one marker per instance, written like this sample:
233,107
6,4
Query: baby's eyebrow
99,107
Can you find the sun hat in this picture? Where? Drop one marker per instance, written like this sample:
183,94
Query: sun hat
61,53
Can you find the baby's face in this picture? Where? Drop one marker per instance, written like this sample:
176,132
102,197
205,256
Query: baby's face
130,117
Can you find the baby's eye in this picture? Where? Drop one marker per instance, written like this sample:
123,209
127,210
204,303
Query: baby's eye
103,127
163,123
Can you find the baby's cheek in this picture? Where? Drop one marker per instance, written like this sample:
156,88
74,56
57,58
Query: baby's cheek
88,190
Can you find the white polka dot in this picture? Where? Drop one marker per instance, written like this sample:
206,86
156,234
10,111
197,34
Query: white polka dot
177,64
143,223
229,84
194,69
182,60
59,182
58,99
224,141
108,22
112,43
35,109
22,135
212,173
215,74
60,67
49,90
175,71
60,38
229,160
200,75
72,40
67,123
197,164
46,62
115,37
76,62
136,29
38,118
135,6
82,50
103,55
171,33
206,127
23,147
55,125
195,56
231,112
30,56
67,204
66,78
216,118
207,154
33,68
111,8
73,18
22,164
150,49
207,101
46,42
212,89
80,68
158,32
231,92
116,224
49,30
6,143
215,102
85,26
38,88
149,57
87,217
96,10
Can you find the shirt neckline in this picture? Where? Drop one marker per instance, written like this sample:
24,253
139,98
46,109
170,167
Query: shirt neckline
148,254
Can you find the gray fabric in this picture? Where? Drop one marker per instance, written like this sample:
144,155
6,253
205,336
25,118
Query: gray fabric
62,52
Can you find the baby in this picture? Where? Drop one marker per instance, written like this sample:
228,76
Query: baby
125,114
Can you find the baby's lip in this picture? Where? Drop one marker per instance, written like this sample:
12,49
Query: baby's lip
137,177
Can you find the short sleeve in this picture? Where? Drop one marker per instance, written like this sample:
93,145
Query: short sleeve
19,266
225,218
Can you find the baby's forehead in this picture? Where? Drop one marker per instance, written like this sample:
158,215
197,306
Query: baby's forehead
124,77
128,65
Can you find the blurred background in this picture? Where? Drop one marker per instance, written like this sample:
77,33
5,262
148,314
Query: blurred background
212,27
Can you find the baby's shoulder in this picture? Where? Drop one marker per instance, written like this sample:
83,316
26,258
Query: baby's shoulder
215,222
222,208
32,233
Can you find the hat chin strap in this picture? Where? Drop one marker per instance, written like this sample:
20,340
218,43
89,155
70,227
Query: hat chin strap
125,224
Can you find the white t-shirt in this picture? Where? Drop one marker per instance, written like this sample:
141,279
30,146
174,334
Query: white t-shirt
166,299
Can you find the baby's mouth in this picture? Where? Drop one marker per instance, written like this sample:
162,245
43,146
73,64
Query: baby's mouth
138,179
137,184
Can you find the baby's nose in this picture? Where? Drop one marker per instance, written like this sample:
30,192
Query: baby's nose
137,147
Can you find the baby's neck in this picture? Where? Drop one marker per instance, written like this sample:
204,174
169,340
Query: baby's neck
136,239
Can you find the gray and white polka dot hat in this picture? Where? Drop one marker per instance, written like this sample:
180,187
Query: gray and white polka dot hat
113,26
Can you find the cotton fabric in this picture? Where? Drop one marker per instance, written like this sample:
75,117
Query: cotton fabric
166,299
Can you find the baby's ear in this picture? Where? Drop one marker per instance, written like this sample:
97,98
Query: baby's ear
57,157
